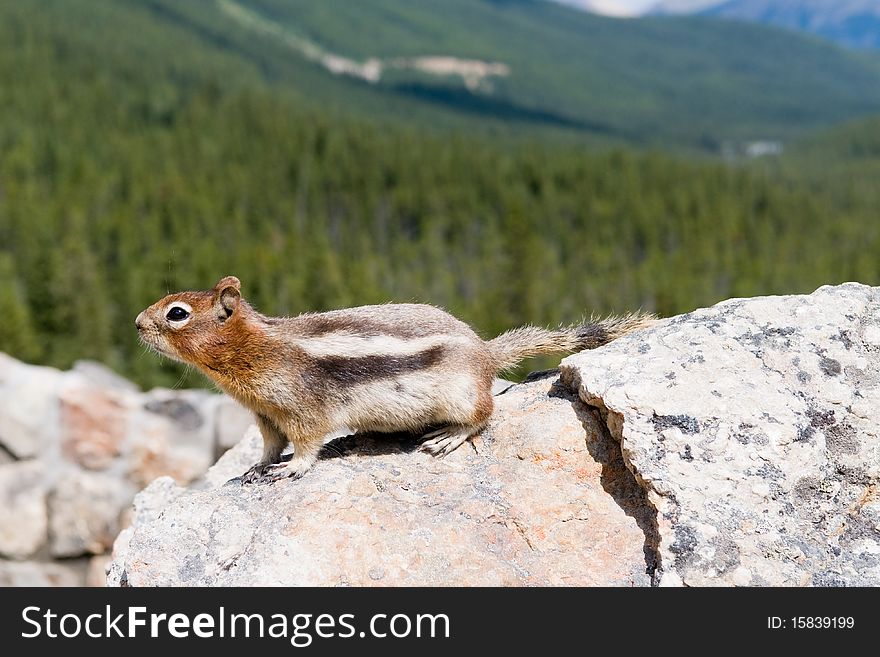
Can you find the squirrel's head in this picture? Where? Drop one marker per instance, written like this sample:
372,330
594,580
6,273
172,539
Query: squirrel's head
188,326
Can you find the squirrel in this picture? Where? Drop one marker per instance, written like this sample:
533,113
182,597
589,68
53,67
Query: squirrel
383,368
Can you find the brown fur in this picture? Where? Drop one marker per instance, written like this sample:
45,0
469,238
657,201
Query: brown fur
374,368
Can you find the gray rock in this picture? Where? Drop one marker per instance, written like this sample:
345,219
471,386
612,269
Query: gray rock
23,518
96,572
84,512
94,423
29,412
235,461
147,505
172,434
754,426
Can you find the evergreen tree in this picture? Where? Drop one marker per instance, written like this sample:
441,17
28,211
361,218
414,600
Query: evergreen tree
17,335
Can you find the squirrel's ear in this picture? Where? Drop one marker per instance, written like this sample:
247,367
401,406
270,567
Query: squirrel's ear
227,297
228,281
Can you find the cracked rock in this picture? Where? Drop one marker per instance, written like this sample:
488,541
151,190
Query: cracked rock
753,425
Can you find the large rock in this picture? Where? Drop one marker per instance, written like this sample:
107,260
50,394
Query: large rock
542,498
754,426
94,422
96,572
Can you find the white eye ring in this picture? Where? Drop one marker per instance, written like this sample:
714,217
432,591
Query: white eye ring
184,320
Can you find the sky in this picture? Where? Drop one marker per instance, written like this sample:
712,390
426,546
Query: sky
637,7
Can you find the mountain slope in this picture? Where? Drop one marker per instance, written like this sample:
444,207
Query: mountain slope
652,80
547,70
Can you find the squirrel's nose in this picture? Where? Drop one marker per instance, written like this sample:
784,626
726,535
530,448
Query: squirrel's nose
139,321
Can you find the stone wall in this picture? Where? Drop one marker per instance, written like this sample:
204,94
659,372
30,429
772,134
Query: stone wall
76,446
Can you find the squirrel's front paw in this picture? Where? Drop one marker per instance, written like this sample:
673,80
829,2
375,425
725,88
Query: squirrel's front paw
293,469
263,473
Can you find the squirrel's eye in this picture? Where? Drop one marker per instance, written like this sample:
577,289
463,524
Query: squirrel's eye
176,314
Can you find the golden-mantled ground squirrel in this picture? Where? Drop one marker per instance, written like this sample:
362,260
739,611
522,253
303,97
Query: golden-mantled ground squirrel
388,368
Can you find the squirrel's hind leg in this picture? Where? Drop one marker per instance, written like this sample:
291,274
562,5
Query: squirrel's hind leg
453,435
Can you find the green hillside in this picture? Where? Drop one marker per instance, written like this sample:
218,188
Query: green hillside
842,166
654,80
136,159
851,143
686,83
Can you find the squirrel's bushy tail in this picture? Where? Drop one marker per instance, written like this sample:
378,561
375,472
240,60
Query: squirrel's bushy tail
509,348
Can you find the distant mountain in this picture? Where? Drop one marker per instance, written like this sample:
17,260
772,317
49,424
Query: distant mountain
854,23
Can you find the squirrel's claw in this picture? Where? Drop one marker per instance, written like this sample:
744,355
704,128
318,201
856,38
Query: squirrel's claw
277,472
256,473
445,440
264,473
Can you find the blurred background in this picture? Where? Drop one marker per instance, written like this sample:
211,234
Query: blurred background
510,160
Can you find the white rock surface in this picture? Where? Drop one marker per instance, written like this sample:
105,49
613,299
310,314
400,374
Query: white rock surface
754,427
175,436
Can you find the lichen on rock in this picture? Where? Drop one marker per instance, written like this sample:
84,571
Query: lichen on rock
754,427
